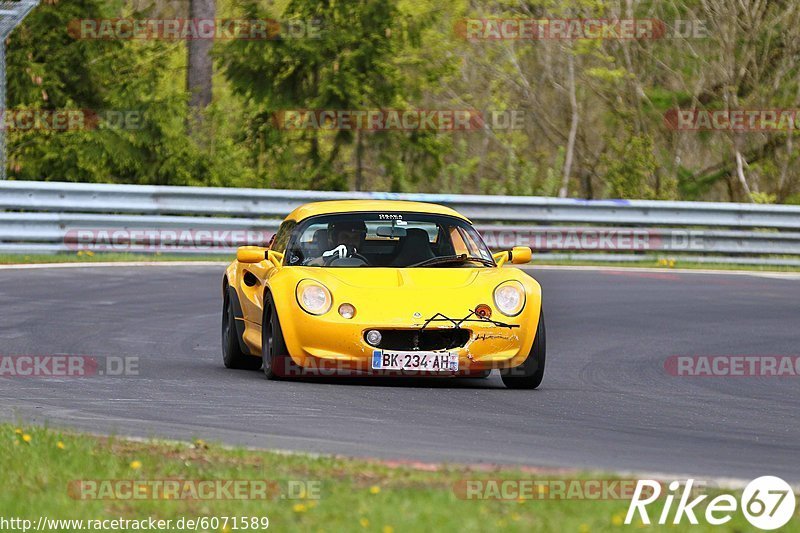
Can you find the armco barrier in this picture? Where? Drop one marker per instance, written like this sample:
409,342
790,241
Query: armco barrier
46,217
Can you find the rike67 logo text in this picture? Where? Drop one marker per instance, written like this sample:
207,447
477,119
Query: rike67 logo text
767,503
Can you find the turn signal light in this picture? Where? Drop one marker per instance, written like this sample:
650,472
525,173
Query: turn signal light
483,311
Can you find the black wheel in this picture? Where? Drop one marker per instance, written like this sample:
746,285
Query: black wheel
277,362
232,354
529,374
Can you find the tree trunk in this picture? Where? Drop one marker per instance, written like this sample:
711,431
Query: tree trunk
740,174
359,161
573,129
200,68
782,182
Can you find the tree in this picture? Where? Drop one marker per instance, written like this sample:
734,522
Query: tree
200,65
349,65
140,136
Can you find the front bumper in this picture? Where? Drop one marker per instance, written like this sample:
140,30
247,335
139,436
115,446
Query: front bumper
336,344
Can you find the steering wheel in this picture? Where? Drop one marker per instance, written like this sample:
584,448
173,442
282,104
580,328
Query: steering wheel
354,255
348,262
359,256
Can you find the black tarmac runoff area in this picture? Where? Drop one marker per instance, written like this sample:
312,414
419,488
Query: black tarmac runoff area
612,398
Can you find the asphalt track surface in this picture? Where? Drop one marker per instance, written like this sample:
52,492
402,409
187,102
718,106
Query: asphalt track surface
606,401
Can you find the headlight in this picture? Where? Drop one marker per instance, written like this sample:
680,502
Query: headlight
509,297
314,297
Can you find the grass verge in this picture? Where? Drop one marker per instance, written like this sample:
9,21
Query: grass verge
14,259
39,468
667,265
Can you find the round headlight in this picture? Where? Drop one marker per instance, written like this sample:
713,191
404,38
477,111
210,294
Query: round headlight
314,297
509,297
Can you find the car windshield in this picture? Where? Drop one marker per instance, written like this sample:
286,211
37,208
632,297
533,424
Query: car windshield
398,240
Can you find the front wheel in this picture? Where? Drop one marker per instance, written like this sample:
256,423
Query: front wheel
529,374
277,362
232,354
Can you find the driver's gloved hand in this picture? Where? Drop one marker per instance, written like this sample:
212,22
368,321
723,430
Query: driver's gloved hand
338,252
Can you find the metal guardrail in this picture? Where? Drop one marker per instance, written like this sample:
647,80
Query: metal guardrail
47,217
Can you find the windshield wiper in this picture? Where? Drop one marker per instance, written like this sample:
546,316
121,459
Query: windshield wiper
463,258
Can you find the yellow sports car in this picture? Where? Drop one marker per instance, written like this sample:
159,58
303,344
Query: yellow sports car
378,287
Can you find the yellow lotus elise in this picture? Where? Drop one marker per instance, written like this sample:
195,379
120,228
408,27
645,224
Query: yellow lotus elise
380,287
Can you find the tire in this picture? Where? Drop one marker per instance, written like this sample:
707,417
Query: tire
529,374
232,354
277,362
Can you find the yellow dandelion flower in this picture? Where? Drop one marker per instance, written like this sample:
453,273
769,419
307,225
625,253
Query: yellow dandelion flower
583,528
299,508
515,517
364,522
26,437
60,445
136,465
616,520
375,489
18,431
388,529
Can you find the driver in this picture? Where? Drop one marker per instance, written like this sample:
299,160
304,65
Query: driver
345,238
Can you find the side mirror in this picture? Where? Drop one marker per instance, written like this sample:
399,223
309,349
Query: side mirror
250,254
520,255
276,258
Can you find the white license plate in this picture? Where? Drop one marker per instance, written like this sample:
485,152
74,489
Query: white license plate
425,361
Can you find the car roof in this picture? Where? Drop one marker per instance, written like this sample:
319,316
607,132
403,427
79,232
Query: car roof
378,206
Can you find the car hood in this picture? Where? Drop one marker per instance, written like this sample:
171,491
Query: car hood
422,278
407,278
406,296
425,280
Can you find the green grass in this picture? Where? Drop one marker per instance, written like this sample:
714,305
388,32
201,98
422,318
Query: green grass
84,257
37,465
655,263
13,259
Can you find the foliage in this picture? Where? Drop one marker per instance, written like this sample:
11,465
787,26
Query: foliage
413,54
